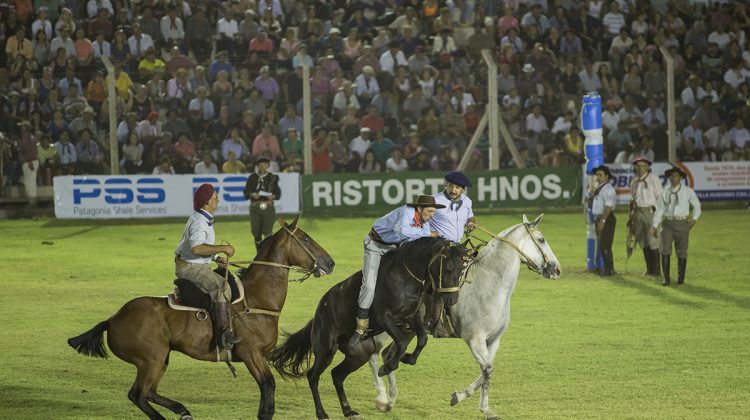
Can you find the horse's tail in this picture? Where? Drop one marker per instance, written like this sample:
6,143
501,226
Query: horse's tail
292,359
91,343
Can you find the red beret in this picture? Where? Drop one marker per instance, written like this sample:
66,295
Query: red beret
202,195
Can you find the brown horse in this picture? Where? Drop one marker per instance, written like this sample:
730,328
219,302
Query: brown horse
145,330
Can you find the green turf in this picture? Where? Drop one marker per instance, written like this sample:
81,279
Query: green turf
579,347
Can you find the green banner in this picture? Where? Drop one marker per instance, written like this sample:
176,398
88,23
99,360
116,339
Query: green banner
356,194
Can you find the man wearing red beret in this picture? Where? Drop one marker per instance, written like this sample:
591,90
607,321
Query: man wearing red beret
194,254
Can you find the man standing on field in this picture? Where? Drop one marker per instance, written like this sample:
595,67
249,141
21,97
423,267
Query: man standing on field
673,213
645,190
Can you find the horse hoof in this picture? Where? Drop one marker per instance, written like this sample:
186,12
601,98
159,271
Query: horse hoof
454,399
186,417
355,417
492,416
383,406
408,358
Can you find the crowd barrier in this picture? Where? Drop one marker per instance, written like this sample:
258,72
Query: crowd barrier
133,196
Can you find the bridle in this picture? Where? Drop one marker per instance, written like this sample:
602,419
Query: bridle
525,259
436,285
306,272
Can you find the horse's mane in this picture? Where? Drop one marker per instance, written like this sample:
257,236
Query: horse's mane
509,229
264,244
423,248
262,248
487,249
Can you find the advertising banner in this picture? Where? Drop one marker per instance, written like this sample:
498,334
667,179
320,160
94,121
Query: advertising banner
712,181
354,194
130,196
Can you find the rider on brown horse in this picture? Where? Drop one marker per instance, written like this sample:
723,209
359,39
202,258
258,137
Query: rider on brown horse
194,254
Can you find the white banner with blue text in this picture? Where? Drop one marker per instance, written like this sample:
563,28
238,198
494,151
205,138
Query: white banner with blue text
131,196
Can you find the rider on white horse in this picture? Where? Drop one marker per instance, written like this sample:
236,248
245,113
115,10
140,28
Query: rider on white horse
450,223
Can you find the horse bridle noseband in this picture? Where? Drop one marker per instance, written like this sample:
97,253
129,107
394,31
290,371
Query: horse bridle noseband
439,286
525,259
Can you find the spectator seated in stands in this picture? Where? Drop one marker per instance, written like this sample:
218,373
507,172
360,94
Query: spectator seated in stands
232,165
164,167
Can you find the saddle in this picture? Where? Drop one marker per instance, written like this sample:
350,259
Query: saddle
187,296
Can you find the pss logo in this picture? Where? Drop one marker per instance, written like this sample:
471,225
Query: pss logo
120,190
150,190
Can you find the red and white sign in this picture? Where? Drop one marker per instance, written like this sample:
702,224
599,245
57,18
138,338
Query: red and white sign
712,181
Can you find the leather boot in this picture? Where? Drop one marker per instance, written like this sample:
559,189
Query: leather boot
359,332
649,262
227,340
665,269
681,266
609,268
655,257
435,324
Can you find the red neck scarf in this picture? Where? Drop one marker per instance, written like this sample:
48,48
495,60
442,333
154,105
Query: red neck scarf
417,221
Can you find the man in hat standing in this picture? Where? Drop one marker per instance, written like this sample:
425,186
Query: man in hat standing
602,204
673,214
262,188
450,223
194,253
645,189
404,224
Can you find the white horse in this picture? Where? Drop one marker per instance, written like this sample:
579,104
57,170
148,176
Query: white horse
483,310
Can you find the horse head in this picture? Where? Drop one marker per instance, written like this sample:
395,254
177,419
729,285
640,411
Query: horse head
303,251
445,269
535,250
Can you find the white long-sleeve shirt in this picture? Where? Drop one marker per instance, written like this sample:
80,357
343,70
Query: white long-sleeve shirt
676,202
646,190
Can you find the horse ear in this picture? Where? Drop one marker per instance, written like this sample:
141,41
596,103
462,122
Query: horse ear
537,221
525,220
294,222
282,222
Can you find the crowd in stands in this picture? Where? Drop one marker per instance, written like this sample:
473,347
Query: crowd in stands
397,85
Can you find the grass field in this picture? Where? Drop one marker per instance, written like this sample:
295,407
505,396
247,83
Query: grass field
579,347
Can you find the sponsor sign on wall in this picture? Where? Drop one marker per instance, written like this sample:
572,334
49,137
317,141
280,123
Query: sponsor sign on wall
355,194
712,181
129,196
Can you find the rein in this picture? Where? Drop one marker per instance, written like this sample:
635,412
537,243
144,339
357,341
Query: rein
525,258
439,286
307,273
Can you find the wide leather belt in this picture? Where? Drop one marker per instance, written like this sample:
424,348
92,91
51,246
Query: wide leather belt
179,262
675,218
375,237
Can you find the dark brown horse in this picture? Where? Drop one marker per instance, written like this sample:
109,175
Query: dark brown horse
145,330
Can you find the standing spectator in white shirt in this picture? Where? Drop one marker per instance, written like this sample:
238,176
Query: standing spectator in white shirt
359,145
139,42
673,214
206,165
719,37
396,163
172,31
226,28
366,86
392,57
